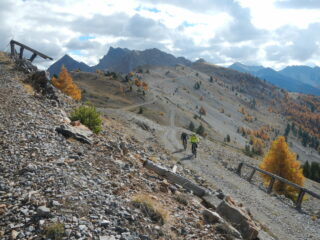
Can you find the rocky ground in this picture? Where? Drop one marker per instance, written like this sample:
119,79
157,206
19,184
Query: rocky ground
57,188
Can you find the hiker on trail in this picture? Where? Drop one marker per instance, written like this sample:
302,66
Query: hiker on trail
184,137
194,140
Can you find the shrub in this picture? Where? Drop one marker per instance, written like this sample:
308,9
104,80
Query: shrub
54,231
88,115
151,208
191,126
200,130
228,138
247,151
140,110
181,198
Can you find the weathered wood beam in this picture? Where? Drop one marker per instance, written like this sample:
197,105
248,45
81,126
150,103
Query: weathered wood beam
13,42
21,52
175,178
276,177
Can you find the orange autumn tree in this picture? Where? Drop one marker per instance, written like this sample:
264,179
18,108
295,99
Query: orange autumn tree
66,84
282,162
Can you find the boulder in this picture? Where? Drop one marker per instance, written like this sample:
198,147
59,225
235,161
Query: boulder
239,217
211,217
43,211
41,83
79,133
25,65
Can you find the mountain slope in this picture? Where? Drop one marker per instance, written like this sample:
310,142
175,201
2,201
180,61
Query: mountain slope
303,74
69,63
121,60
124,60
277,78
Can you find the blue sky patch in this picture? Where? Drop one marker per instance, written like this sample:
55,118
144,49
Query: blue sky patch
85,38
76,52
154,10
187,24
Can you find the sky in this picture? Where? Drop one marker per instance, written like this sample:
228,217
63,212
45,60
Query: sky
272,33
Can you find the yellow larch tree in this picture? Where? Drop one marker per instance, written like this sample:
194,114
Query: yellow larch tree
65,84
282,162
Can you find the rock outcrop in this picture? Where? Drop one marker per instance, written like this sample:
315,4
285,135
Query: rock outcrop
239,217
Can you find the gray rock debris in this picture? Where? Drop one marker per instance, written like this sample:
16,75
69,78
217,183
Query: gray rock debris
43,211
81,135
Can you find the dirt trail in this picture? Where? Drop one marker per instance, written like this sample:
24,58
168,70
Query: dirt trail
127,108
278,218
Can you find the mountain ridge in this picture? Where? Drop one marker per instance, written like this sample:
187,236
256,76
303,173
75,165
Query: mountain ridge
122,60
283,79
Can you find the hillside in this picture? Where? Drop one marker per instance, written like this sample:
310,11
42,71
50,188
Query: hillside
59,188
290,79
90,188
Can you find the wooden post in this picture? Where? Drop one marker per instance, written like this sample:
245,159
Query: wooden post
300,198
271,185
239,169
34,55
251,175
12,48
21,52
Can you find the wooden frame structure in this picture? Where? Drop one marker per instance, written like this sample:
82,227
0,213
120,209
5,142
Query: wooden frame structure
302,190
22,47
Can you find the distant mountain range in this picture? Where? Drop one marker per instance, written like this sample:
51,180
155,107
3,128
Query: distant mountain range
122,60
301,79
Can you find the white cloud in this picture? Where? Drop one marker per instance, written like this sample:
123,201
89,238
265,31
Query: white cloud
270,32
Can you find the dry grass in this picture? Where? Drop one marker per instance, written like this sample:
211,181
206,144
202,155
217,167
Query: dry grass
151,208
28,88
54,231
182,198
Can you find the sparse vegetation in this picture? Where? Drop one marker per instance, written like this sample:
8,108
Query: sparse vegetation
181,198
312,171
140,110
200,130
151,208
196,86
54,231
88,116
191,126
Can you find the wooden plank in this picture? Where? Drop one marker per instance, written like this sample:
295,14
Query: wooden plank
12,42
175,178
276,177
